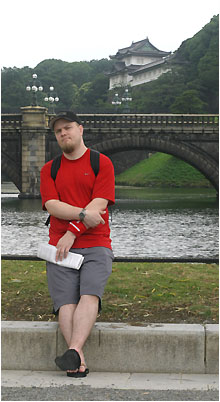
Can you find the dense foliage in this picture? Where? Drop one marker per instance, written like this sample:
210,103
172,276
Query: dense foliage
190,87
79,85
192,84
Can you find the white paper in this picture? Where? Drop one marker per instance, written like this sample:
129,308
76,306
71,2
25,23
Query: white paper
48,252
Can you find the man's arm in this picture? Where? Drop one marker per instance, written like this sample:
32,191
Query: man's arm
99,204
62,210
67,240
65,211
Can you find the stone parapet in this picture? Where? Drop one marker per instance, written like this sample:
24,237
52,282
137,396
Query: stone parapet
34,116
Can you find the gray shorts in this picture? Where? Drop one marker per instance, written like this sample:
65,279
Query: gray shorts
66,285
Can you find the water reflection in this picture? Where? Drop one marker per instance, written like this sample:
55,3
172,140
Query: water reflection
172,226
163,232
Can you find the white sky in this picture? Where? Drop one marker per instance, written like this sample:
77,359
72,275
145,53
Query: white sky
76,30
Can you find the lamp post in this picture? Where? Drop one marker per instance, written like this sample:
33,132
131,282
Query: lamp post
126,98
51,98
116,102
34,87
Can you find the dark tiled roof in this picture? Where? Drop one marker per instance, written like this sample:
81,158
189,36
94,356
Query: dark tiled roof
149,66
143,48
120,67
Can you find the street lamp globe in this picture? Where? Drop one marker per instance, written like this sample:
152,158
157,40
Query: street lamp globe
34,87
126,98
51,98
116,102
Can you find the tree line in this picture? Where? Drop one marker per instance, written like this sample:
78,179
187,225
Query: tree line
190,87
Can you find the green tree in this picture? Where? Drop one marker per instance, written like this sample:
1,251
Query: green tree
83,96
14,94
97,93
188,102
84,86
157,96
75,98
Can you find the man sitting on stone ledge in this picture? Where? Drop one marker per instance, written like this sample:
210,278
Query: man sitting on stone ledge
77,201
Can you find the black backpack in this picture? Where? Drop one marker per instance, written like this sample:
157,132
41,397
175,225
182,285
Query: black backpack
94,160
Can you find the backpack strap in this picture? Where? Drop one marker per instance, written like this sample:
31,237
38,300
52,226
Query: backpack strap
53,172
55,166
94,160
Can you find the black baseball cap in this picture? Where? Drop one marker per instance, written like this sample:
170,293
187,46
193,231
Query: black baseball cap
70,116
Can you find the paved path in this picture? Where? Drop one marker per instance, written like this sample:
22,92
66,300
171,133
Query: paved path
55,386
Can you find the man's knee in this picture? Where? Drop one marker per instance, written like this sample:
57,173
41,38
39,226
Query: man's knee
67,307
90,299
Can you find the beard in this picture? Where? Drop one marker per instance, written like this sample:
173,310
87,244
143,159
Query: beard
69,145
68,148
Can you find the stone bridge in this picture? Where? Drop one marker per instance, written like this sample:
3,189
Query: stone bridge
27,141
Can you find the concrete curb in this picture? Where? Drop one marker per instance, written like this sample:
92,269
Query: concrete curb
115,347
140,381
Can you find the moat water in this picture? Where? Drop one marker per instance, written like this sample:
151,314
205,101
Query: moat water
145,223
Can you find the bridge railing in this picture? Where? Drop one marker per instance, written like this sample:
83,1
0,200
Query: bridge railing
11,120
128,120
138,120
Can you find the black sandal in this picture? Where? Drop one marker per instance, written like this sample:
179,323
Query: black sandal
70,360
79,374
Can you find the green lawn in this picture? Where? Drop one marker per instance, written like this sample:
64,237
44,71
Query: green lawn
162,170
135,293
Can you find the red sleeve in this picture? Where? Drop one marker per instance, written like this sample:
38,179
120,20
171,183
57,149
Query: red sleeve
105,181
47,185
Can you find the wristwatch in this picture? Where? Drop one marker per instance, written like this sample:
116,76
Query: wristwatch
82,215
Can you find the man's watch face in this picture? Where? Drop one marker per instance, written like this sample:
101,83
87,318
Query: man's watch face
82,215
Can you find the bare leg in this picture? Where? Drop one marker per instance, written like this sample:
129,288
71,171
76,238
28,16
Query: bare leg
76,322
83,320
66,313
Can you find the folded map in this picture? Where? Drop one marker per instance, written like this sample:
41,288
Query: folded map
48,252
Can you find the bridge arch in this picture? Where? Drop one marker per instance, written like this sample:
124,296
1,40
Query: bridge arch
186,152
10,168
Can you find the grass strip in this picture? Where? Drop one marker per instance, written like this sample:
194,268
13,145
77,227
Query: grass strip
162,170
136,293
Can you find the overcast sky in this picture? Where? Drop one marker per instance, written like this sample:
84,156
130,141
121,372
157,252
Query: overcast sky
76,30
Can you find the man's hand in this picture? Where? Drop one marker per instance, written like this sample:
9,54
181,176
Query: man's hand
93,217
64,244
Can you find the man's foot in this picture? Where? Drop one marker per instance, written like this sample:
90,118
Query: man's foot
81,372
70,360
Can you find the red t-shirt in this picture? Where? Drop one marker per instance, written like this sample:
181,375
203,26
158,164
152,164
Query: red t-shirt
77,185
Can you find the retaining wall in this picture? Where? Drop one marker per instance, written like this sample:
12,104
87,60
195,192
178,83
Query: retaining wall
115,347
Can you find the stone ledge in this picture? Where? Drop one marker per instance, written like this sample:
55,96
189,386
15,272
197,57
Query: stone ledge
115,347
212,348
